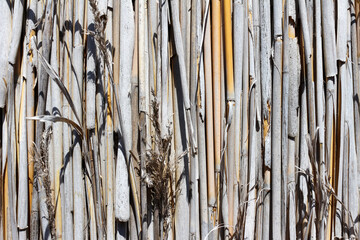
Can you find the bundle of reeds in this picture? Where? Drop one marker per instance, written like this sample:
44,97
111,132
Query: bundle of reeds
179,119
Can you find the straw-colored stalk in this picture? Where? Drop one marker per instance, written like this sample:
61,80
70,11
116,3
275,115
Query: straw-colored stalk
90,230
23,168
328,30
355,41
30,78
320,97
355,120
2,222
253,135
304,215
276,212
194,82
68,172
30,93
143,83
108,178
181,219
127,30
5,42
155,221
216,75
101,109
77,96
284,120
207,168
293,123
258,134
182,67
244,148
216,68
11,147
4,47
266,88
230,96
56,100
110,216
164,65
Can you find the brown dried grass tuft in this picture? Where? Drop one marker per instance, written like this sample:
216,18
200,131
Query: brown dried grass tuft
40,157
159,171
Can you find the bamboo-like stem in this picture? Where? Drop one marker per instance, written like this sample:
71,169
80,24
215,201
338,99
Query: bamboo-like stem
353,119
6,187
186,34
328,27
110,216
304,163
11,147
184,85
341,182
158,61
258,134
77,96
182,168
276,124
309,71
216,68
109,186
30,93
91,228
172,157
127,34
230,96
68,171
216,75
252,192
219,93
194,83
266,88
4,47
201,196
328,30
142,110
56,100
98,137
23,169
345,184
228,51
244,150
2,159
222,213
293,123
249,231
284,120
164,65
127,30
44,213
320,98
207,177
98,210
239,20
355,41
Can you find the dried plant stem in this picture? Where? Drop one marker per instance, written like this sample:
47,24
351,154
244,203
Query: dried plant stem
184,83
11,147
276,124
68,171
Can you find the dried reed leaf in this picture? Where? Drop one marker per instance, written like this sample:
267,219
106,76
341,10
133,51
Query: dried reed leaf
54,76
53,119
